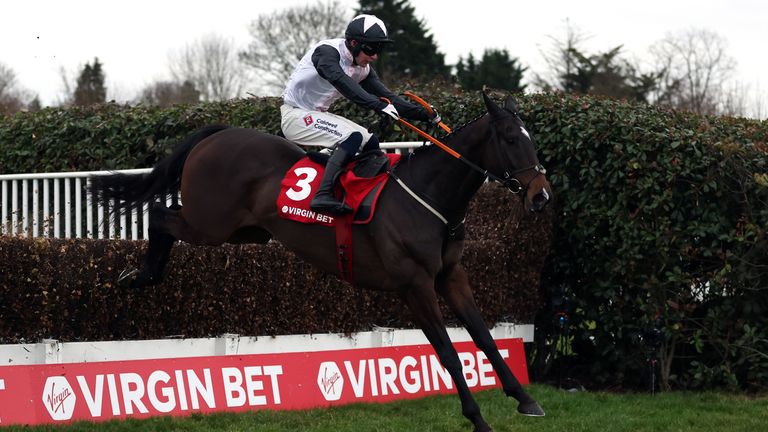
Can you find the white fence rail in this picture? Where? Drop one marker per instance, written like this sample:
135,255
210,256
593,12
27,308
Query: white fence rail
58,205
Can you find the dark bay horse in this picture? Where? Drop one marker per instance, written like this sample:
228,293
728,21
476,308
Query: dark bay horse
230,178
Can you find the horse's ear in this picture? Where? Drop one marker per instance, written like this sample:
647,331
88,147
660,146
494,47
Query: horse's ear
510,105
493,109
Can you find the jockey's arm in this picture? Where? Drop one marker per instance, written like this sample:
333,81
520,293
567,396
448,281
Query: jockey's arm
326,61
372,84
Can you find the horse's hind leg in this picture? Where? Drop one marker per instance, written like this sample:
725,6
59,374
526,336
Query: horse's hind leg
159,248
453,285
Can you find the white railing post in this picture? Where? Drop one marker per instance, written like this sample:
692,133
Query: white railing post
145,217
4,206
78,208
35,208
25,208
68,208
14,207
56,209
88,211
46,208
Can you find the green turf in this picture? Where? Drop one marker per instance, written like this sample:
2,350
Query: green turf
584,411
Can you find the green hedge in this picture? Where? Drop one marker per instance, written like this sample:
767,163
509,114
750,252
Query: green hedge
68,290
660,222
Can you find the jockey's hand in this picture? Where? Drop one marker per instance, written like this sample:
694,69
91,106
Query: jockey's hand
435,116
391,111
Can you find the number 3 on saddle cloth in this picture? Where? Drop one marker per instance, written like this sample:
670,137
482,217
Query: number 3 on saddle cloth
360,184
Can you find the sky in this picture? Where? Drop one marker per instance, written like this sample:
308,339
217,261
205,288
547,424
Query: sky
133,40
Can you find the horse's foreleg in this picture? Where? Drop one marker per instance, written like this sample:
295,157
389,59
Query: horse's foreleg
159,248
422,301
453,285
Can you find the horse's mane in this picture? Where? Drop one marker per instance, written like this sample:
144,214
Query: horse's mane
446,138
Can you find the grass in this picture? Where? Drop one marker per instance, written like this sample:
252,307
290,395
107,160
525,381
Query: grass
566,411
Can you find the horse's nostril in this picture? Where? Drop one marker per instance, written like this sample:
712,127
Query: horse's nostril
540,200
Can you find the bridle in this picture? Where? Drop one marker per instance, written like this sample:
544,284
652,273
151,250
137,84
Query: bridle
509,178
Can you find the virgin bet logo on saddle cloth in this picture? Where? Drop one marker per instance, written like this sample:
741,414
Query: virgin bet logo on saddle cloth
302,180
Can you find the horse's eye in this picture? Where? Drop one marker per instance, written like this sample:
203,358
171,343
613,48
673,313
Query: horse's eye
511,133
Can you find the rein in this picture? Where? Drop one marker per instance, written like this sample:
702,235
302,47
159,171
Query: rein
509,181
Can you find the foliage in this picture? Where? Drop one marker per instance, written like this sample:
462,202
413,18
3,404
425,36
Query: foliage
495,69
414,54
662,226
112,136
90,89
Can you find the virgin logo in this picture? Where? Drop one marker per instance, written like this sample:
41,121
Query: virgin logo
330,381
58,398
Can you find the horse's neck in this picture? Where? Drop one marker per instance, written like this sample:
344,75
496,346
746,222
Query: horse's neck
444,181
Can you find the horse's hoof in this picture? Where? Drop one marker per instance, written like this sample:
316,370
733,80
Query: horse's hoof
483,428
530,409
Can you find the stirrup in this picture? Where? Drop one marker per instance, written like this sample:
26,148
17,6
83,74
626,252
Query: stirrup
329,206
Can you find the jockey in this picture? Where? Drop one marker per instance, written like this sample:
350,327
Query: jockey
330,69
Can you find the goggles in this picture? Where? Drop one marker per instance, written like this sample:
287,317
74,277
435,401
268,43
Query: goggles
371,48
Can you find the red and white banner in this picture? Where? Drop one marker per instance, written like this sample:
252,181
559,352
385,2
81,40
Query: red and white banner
39,394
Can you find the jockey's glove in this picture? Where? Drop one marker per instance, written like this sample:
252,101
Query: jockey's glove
435,116
391,111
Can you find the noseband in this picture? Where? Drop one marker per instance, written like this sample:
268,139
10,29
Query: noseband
510,180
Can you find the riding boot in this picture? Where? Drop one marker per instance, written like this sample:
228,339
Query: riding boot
324,201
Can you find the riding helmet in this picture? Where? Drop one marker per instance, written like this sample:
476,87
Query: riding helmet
367,28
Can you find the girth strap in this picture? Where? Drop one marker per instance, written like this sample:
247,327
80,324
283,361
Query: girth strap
344,246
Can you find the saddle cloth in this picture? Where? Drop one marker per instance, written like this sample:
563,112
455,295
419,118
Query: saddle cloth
301,181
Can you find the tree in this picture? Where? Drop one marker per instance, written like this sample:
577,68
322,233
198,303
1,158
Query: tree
603,73
414,54
281,39
168,93
212,66
90,89
496,69
696,68
12,98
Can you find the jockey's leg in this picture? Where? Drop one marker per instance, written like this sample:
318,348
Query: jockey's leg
372,144
324,200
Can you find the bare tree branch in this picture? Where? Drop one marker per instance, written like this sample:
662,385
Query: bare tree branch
210,64
280,39
12,97
697,67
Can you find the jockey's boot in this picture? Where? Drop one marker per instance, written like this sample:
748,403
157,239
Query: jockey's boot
324,201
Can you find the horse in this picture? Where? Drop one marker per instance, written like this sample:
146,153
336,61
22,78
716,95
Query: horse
229,179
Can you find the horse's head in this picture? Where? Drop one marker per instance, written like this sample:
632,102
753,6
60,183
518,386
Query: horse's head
520,168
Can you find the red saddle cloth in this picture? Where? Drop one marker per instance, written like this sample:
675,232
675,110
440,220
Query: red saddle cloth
299,187
302,180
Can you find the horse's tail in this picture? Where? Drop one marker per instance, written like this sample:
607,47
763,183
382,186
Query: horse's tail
131,190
